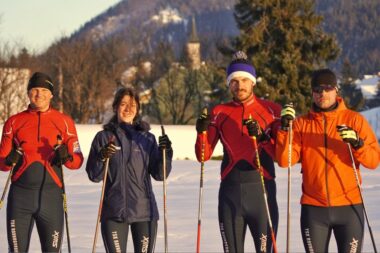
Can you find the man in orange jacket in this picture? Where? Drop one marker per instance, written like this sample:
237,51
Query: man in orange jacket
331,200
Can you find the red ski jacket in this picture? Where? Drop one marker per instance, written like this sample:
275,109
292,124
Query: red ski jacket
227,125
328,178
37,133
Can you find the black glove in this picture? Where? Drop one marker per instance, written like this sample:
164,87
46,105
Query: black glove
349,135
254,130
108,151
287,114
202,123
61,154
164,142
14,156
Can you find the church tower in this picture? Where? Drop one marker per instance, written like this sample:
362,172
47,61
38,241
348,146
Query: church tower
193,47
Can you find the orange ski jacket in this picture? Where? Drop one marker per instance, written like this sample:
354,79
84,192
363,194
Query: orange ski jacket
328,178
37,133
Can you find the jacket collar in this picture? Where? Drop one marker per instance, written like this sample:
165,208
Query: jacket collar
31,110
249,102
330,114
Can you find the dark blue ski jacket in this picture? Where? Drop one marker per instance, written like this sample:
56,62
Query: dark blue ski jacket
128,193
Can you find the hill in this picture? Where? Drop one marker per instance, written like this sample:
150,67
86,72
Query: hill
143,24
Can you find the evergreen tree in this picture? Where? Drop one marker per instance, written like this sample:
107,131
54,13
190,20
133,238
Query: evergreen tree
356,26
352,95
348,73
285,42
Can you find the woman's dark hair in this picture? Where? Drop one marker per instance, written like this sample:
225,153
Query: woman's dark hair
120,94
126,92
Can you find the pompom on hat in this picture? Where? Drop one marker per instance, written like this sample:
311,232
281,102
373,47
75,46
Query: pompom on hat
241,67
41,80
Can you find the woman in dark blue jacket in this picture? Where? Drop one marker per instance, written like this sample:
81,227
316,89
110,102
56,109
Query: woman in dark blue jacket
134,156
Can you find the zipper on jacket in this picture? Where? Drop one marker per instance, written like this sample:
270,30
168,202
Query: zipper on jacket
38,128
262,117
242,120
326,160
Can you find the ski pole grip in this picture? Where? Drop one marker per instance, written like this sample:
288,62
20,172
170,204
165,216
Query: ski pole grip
59,139
204,112
162,130
111,139
292,106
19,148
341,127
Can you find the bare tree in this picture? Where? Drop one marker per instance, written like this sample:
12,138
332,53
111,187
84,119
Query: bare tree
13,83
13,91
87,74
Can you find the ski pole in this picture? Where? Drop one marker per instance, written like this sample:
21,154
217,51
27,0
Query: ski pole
19,150
258,163
361,197
204,136
289,185
59,142
164,193
6,185
106,166
106,174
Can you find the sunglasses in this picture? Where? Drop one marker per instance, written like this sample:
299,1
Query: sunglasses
320,89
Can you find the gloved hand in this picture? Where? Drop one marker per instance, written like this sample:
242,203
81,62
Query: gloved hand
164,142
287,114
14,156
202,122
61,154
255,130
108,150
349,135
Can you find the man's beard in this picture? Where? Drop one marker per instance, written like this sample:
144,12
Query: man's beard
242,95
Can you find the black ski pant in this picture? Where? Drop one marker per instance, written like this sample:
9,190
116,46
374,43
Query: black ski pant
115,236
42,206
242,204
346,222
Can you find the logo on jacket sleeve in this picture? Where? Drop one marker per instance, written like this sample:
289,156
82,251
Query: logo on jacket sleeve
76,148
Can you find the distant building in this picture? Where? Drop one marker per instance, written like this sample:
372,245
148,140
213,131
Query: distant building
193,47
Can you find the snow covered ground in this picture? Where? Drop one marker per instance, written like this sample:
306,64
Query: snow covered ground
182,202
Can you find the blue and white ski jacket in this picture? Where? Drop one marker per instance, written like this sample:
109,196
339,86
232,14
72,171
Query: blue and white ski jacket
128,193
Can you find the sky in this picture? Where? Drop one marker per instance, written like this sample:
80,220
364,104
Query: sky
35,24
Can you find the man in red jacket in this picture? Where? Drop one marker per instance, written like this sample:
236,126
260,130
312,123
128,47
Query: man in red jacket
241,195
36,143
331,201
